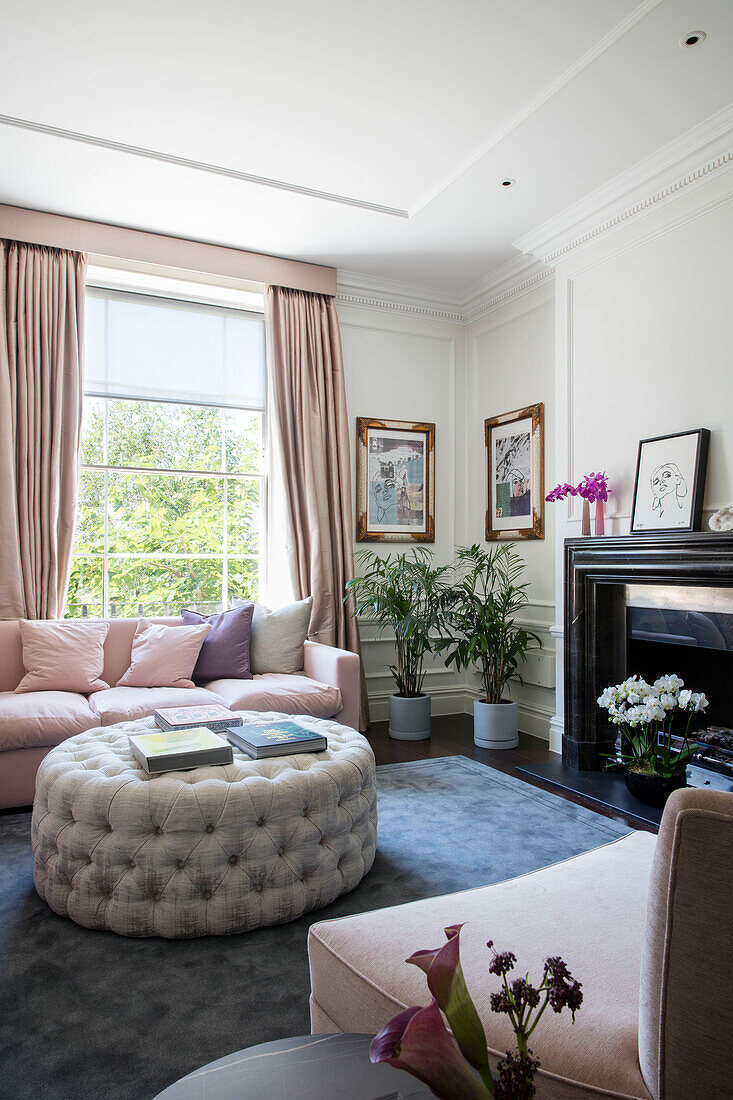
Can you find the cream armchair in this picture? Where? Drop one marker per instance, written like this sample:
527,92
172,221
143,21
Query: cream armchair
645,923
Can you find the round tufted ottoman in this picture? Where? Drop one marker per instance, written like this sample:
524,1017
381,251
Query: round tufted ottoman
203,852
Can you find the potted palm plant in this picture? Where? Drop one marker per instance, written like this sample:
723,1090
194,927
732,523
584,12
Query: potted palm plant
404,592
479,630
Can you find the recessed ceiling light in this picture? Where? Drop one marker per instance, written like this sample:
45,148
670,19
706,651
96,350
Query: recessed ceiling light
508,182
694,38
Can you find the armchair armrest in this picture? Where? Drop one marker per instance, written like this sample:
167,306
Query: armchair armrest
340,669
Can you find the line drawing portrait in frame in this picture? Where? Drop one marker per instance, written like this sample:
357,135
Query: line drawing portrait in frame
670,482
515,474
395,481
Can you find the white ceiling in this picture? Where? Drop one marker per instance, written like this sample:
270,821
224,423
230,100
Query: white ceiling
404,115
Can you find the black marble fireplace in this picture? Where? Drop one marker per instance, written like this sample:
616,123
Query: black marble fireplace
644,604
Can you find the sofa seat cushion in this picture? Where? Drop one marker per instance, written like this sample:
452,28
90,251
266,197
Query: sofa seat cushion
288,693
125,704
589,909
42,718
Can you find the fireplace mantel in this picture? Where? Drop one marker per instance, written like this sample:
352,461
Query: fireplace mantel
596,569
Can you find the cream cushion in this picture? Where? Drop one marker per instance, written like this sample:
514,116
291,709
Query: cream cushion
164,656
589,909
202,852
125,704
61,656
277,639
287,693
38,718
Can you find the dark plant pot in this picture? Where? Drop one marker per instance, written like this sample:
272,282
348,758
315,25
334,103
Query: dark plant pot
653,790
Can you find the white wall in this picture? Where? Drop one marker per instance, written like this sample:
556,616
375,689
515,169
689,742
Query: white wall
645,338
633,340
408,368
510,356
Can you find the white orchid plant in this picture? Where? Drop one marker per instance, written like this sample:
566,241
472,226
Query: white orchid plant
646,714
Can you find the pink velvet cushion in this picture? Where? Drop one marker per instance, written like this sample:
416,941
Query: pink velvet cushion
125,704
164,656
42,718
284,692
62,656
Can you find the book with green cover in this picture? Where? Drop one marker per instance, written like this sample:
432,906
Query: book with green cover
266,739
192,748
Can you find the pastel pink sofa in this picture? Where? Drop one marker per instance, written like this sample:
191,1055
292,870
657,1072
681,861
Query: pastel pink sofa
34,722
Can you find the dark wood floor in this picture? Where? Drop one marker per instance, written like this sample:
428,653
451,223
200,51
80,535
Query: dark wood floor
452,735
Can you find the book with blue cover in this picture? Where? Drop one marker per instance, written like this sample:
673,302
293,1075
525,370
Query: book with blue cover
266,739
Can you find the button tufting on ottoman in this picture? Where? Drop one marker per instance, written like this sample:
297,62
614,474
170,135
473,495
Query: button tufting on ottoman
200,852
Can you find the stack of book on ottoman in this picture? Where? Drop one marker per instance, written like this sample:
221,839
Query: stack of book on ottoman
190,738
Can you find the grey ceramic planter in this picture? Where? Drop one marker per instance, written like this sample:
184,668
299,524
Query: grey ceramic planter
495,725
409,718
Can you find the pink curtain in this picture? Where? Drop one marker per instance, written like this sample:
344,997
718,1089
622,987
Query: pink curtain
312,438
41,383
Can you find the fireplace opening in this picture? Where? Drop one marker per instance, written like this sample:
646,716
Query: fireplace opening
688,631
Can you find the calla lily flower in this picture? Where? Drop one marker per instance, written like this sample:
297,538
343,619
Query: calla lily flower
447,984
419,1042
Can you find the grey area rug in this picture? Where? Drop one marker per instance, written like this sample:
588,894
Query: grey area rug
93,1016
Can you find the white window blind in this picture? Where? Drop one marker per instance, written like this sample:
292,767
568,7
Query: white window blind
139,346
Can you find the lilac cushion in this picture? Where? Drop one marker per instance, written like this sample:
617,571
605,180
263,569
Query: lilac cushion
225,652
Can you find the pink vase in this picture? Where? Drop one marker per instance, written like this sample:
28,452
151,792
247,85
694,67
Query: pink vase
585,522
600,522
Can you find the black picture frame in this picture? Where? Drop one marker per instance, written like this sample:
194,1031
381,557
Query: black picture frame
675,475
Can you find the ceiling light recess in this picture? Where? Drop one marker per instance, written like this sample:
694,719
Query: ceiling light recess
507,181
693,38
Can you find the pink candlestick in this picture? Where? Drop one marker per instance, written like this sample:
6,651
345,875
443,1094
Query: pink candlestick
585,522
600,522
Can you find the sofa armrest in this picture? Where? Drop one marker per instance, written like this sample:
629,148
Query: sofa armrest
340,669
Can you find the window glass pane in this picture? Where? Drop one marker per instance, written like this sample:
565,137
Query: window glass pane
85,588
154,513
90,513
243,516
163,436
92,431
162,586
244,449
243,579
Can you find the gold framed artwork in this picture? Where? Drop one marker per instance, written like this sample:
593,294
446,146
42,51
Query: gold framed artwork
395,481
515,474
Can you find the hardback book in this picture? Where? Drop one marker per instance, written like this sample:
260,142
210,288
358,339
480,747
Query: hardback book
191,748
212,715
267,739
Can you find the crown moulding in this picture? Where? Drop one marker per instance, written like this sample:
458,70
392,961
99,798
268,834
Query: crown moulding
702,152
513,279
680,165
